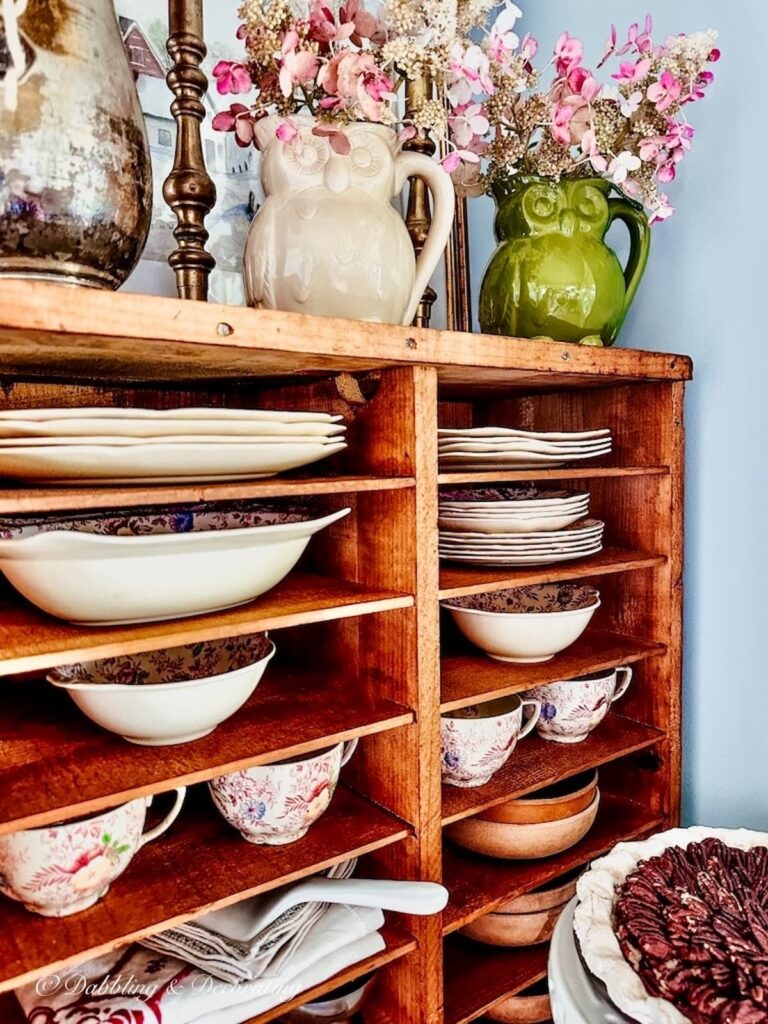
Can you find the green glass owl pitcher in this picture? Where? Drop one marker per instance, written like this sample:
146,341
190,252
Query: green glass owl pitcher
552,274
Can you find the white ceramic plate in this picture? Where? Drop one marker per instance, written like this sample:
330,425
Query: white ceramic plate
193,439
519,542
543,435
93,580
582,528
502,524
137,427
543,447
162,462
199,413
479,499
522,560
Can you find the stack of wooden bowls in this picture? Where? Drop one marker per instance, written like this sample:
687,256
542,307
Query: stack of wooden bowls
540,825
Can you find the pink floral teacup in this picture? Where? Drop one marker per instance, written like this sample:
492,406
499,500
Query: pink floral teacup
59,870
276,803
478,740
572,708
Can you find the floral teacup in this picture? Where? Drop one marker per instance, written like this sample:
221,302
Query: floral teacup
61,869
572,708
276,803
478,740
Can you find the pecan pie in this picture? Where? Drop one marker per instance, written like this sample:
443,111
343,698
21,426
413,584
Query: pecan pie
693,923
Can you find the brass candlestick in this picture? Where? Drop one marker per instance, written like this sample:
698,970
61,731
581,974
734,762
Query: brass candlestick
188,189
418,217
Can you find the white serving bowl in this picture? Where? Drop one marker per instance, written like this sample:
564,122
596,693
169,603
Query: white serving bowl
169,696
145,566
526,624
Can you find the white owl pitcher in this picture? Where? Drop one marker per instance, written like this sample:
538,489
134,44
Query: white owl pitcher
328,240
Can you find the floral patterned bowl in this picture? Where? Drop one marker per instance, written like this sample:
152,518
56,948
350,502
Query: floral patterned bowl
148,565
526,624
276,803
62,869
169,696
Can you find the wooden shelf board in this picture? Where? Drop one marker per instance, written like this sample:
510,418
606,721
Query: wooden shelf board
473,678
200,864
478,976
399,943
55,763
537,763
500,476
15,501
31,640
58,332
479,884
457,580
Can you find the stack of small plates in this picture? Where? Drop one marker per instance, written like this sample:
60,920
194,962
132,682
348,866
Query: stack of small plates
118,446
543,547
503,448
506,510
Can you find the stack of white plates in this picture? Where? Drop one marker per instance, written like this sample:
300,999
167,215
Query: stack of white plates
505,448
539,548
506,510
114,446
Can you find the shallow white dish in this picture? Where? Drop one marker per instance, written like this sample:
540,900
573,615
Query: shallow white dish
580,530
139,427
536,447
193,413
169,696
506,525
154,573
515,499
502,561
550,435
161,462
551,617
290,441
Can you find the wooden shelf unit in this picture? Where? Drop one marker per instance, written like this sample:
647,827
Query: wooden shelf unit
363,649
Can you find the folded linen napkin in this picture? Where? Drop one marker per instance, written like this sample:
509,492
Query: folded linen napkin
137,985
239,942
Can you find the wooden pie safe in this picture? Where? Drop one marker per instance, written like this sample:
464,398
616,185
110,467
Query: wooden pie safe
362,648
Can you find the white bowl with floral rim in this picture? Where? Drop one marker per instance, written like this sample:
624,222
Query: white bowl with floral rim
169,696
525,624
146,565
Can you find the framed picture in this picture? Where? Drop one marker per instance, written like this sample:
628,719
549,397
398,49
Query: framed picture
235,171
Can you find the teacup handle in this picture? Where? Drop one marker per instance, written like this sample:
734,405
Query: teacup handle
623,686
348,750
167,821
536,705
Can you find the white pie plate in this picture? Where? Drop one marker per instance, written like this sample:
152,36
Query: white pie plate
160,462
567,435
593,918
197,413
106,440
139,427
504,560
94,580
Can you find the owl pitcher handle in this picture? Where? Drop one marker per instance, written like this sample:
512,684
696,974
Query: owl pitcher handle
439,183
633,216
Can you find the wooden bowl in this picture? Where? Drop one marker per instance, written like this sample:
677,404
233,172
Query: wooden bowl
529,1008
497,929
523,842
563,800
554,894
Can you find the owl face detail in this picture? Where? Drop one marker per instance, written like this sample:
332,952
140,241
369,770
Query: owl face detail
309,162
569,208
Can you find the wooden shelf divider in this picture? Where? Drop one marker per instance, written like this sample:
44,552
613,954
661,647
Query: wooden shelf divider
474,678
287,716
478,976
200,864
30,640
537,763
479,884
460,580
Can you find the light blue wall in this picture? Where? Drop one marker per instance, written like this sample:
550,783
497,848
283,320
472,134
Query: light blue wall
706,294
